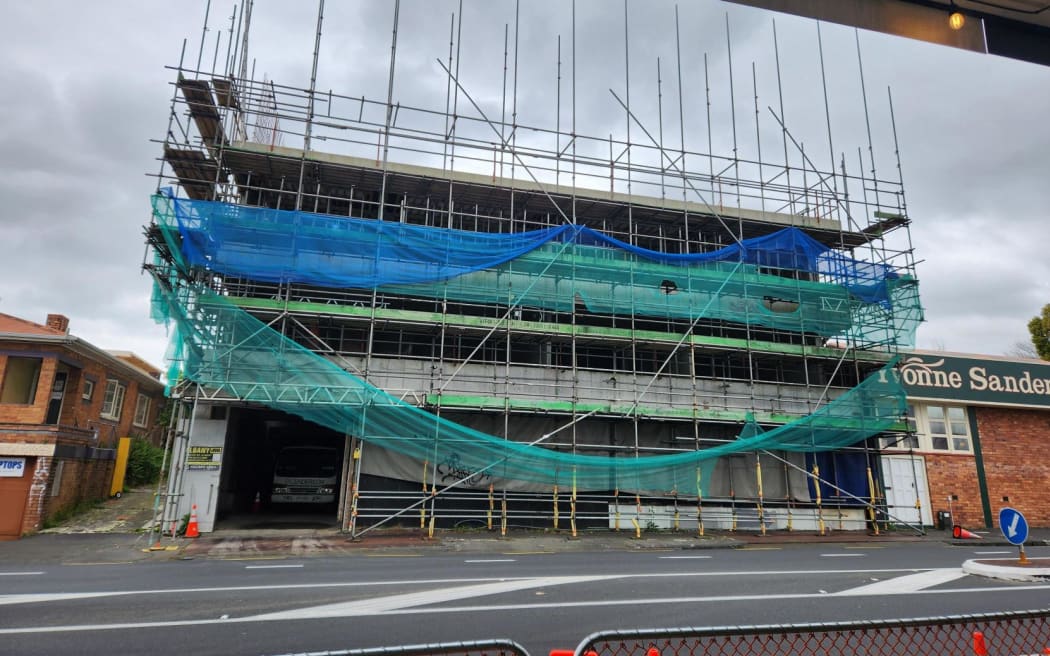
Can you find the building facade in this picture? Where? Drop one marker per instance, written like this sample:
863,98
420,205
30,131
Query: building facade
63,405
979,423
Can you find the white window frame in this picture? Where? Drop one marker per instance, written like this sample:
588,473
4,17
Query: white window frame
113,403
943,421
142,406
89,389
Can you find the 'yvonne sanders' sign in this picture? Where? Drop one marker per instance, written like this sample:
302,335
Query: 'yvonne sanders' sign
976,381
12,467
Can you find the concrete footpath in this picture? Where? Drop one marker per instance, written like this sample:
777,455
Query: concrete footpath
117,532
70,548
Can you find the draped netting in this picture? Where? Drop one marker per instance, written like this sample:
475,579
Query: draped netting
785,280
222,347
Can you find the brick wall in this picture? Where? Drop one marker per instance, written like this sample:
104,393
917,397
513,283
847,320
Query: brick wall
1013,443
77,411
955,475
34,413
33,518
81,480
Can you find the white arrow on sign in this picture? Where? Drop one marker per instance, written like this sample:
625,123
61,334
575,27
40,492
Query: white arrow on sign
1012,530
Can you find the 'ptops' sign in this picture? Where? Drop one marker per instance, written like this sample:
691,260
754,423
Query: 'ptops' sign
12,467
978,381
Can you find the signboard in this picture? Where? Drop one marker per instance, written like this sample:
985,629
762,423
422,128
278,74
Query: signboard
204,458
988,381
12,467
1013,525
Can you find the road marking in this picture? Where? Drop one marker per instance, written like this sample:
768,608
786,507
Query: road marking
24,598
683,557
989,553
381,605
491,560
841,555
273,566
360,611
905,584
20,573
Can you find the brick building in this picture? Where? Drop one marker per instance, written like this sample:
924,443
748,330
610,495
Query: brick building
980,425
63,405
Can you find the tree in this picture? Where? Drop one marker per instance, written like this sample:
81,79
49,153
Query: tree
1039,327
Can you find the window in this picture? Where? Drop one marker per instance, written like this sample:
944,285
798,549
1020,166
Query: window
141,410
114,401
20,379
944,428
56,485
89,389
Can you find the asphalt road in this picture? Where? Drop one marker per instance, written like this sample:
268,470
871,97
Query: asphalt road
540,600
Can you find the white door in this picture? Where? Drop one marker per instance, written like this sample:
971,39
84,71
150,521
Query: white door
904,478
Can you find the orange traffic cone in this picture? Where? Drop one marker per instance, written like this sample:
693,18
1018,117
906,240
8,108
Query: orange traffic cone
257,504
192,531
959,533
979,646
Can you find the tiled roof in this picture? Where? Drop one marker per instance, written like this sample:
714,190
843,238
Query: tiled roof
9,324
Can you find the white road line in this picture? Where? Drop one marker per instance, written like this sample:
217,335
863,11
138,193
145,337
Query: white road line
273,566
906,584
839,555
399,602
989,553
491,560
490,608
683,557
20,573
9,599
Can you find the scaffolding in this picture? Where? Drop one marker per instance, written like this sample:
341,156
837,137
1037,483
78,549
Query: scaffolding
581,347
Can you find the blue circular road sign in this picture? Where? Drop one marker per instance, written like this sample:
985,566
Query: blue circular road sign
1013,525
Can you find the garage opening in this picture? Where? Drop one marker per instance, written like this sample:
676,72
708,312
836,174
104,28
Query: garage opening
280,472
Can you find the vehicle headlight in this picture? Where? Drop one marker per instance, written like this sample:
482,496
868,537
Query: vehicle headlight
326,490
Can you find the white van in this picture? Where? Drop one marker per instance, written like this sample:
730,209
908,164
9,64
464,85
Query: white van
305,474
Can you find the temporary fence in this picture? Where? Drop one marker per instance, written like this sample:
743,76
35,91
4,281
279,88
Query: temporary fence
471,648
993,634
1013,633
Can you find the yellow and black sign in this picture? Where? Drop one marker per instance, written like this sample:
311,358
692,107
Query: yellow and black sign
204,458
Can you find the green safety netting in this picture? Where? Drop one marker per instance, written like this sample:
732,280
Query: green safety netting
785,280
225,349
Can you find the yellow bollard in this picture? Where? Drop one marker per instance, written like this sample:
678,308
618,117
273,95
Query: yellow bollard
503,519
637,514
816,486
637,529
616,502
555,507
492,505
871,508
572,506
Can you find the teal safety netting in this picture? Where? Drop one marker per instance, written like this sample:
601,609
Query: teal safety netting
785,280
224,348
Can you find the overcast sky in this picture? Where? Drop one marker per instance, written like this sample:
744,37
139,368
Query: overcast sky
86,94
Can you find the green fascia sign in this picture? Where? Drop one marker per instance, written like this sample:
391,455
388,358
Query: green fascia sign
983,382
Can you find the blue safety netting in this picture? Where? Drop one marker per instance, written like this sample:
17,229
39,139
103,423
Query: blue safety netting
272,245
